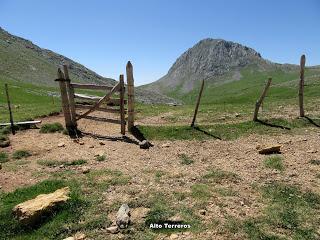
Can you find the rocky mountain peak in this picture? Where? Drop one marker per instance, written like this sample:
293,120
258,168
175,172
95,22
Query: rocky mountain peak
209,58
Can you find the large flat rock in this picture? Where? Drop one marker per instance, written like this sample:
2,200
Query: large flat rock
31,211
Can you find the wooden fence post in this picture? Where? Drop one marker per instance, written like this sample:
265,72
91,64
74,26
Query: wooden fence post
122,114
259,102
9,108
64,99
301,84
130,84
197,105
70,92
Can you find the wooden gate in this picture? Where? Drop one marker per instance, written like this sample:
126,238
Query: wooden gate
71,101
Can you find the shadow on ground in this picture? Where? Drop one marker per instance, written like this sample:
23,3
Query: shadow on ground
272,125
206,133
111,138
312,121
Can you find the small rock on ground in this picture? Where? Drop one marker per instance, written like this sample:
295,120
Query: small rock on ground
85,170
174,236
113,229
62,144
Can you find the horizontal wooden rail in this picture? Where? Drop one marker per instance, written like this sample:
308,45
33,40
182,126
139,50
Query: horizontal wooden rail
109,110
91,86
112,101
21,123
101,119
87,97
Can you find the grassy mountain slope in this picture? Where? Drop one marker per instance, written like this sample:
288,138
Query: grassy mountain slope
21,60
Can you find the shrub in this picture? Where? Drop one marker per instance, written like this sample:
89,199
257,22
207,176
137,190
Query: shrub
21,154
4,141
101,158
51,128
186,160
274,162
50,163
3,157
76,162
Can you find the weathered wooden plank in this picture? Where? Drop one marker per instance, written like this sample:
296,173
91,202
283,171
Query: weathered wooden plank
87,107
260,101
87,97
21,123
116,121
97,104
91,86
122,111
130,83
111,101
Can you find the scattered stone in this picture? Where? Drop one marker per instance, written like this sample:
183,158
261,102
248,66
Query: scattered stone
166,145
237,115
81,143
91,146
312,151
86,170
123,216
62,144
61,166
102,143
69,238
79,236
174,236
270,150
0,166
144,144
29,212
113,229
99,154
202,212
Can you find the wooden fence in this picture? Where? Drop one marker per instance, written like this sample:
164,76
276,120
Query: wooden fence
72,102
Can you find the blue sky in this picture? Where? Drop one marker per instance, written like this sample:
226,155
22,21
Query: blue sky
104,35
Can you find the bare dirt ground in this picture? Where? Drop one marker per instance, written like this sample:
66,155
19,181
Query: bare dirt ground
239,157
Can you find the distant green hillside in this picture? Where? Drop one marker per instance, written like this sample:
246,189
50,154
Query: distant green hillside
28,101
21,60
284,87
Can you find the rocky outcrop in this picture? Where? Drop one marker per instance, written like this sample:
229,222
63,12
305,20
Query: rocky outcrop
209,58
